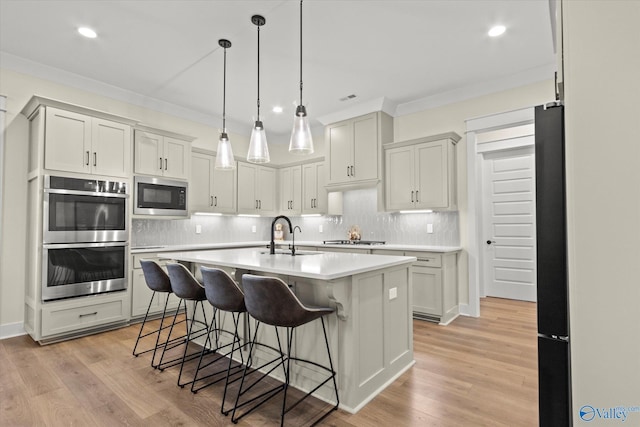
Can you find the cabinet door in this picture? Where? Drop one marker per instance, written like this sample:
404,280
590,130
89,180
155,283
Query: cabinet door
399,173
247,199
310,184
427,290
176,158
141,296
296,190
432,175
148,153
266,191
286,190
365,148
320,202
201,183
224,189
340,152
68,141
111,148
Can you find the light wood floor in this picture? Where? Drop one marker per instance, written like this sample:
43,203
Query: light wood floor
474,372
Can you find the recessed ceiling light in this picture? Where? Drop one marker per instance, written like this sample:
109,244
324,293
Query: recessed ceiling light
87,32
497,30
277,109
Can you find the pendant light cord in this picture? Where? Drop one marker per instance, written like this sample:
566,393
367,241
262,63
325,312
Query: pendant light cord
258,118
224,93
300,52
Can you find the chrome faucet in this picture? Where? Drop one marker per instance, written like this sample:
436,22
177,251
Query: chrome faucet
272,245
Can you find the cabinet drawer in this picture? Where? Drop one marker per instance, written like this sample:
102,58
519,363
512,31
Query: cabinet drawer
149,256
426,259
57,320
386,252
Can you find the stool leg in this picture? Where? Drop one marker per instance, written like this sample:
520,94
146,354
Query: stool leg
166,343
287,370
144,322
191,337
333,372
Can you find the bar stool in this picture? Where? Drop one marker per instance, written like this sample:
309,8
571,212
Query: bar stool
158,281
269,300
224,294
186,287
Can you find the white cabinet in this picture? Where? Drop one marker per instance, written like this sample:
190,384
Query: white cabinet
353,149
159,154
140,292
76,142
314,194
291,190
211,189
256,189
434,278
420,174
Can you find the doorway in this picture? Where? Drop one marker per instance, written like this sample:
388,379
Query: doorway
509,229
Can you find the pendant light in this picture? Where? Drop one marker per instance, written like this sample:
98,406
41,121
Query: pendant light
301,141
258,149
224,154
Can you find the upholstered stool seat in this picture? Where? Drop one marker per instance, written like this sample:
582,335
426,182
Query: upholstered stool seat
269,300
158,281
224,295
185,286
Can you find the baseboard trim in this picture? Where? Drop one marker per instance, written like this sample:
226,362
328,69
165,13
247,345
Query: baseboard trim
11,330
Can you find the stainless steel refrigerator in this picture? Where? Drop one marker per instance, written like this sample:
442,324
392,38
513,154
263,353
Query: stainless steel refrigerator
554,373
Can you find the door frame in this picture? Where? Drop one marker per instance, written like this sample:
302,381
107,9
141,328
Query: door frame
487,134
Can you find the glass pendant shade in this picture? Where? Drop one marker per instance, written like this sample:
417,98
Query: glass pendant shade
224,154
258,149
301,141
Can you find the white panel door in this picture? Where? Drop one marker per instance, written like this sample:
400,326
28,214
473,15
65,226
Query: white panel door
510,224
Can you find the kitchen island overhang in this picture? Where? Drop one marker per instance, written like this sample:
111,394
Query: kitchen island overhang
371,335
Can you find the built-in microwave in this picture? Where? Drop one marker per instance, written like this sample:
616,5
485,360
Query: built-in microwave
160,196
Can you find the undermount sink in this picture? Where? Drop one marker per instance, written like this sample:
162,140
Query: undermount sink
288,253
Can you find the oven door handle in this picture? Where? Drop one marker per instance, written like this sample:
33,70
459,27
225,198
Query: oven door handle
83,245
84,193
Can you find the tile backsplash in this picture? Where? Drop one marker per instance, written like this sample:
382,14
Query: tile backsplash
359,208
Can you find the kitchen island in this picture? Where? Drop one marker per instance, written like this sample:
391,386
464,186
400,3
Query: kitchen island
371,334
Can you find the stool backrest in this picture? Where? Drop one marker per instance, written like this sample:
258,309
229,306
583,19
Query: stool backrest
269,300
222,291
183,283
157,280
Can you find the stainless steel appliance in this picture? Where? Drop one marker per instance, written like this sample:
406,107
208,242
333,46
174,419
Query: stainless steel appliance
554,373
353,242
160,196
84,210
76,269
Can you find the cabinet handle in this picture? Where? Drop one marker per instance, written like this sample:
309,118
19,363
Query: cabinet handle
216,201
412,196
353,172
314,203
256,203
88,314
95,159
211,204
165,163
87,158
348,171
259,204
160,163
417,201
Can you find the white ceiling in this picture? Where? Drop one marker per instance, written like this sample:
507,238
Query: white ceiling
165,54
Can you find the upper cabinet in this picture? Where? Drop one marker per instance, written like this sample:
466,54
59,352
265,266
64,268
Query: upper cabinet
256,189
81,143
421,174
354,150
210,189
291,190
161,153
314,195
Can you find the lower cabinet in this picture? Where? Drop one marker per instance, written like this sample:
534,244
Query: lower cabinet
140,292
434,278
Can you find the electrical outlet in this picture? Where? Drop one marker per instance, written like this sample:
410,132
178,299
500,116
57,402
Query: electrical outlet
198,229
393,293
253,228
429,228
320,228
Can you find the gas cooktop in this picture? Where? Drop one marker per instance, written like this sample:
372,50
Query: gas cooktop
353,242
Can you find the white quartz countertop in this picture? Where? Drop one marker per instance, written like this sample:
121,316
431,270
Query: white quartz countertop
308,264
317,244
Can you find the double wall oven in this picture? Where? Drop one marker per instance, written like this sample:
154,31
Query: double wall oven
85,237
